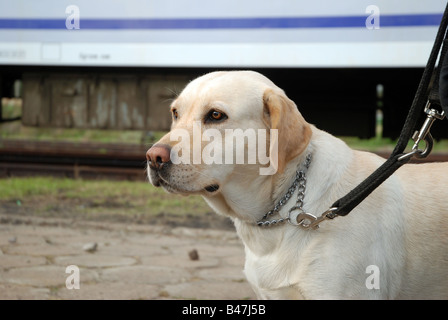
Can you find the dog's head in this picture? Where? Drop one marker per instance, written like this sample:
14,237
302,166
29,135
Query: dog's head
223,130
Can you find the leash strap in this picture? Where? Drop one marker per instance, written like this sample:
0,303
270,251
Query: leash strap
435,95
344,205
443,78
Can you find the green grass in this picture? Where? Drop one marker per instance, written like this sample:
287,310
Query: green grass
45,194
20,188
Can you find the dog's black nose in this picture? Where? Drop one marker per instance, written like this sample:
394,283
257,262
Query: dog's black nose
158,155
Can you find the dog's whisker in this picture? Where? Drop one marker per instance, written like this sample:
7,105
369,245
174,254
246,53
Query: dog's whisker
192,168
238,173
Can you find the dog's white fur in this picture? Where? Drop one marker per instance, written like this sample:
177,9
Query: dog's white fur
402,227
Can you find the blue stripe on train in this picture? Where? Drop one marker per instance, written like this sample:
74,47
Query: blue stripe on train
410,20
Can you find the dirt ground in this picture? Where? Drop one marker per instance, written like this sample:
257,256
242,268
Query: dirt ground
110,211
117,256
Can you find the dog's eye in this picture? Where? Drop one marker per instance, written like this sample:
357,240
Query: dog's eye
175,114
215,116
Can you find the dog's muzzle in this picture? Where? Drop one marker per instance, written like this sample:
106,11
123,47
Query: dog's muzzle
158,158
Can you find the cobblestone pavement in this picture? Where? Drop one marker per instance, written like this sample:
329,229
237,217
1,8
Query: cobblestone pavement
129,261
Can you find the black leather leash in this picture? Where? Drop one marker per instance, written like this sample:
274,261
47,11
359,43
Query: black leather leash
398,158
422,102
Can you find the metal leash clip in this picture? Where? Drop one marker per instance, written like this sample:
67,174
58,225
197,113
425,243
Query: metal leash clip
308,220
424,134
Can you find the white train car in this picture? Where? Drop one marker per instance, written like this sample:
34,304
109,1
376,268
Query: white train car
219,33
322,52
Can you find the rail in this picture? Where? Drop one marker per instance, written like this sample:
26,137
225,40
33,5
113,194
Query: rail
73,160
88,160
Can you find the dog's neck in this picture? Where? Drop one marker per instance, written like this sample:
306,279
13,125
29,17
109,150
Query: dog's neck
246,205
266,239
245,199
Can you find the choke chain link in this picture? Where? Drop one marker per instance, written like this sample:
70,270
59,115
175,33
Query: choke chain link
300,184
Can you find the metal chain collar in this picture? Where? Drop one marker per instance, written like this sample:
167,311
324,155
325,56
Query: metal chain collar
298,183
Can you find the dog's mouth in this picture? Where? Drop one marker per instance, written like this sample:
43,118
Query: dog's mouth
158,180
212,188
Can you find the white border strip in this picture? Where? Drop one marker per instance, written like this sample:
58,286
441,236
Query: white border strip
278,55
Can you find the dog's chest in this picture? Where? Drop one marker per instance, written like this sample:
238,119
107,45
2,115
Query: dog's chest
271,280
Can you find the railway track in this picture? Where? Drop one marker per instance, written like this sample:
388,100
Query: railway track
72,160
87,160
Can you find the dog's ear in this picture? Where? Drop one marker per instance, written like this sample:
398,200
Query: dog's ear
294,133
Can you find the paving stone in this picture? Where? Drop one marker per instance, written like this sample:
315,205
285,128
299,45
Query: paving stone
20,238
236,261
9,261
205,233
94,260
222,273
42,276
211,290
134,250
79,240
131,262
42,250
180,262
13,292
109,291
205,248
155,240
145,275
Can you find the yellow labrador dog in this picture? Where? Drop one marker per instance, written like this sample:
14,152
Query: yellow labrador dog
394,245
